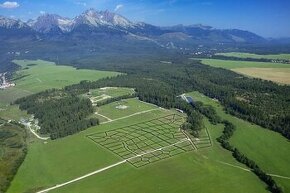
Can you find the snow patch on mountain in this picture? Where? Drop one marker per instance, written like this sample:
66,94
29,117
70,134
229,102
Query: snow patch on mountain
11,23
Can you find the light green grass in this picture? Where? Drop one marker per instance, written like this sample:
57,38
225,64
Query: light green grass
197,171
112,91
12,112
256,56
231,64
101,119
55,162
268,149
45,75
66,158
71,157
133,106
184,173
11,94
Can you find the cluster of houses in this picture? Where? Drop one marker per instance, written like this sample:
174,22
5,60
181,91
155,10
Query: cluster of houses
4,84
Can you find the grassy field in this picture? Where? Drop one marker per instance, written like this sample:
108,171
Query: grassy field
111,91
132,106
12,149
232,64
39,75
277,72
193,170
57,165
11,94
281,75
268,149
256,56
204,170
12,112
103,94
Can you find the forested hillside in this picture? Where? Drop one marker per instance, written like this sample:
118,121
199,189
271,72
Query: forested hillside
262,102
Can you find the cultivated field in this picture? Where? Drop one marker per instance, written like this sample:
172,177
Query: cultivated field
232,64
145,151
281,75
256,56
268,149
277,72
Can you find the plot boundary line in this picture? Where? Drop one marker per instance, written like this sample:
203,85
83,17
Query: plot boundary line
96,113
134,114
130,140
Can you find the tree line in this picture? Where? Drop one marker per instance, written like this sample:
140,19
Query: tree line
59,114
240,157
227,133
258,101
113,99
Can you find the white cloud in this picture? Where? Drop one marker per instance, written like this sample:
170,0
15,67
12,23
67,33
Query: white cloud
9,5
42,12
118,7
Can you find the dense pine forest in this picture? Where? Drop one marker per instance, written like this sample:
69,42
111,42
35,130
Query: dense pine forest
59,113
259,101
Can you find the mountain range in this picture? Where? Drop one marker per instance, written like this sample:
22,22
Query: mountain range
93,23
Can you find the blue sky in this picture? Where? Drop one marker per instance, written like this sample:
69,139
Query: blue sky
269,18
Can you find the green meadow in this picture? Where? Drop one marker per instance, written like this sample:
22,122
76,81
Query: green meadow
114,110
12,112
256,56
111,91
52,162
38,75
268,149
232,64
206,170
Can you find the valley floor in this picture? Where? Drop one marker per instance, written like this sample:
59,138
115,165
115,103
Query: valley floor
140,147
77,164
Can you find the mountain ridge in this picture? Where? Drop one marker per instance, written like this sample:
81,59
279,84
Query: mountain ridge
92,22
